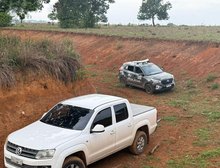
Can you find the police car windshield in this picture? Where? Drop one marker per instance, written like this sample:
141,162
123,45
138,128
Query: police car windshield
151,69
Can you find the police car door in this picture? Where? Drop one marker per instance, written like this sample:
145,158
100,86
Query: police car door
138,77
129,74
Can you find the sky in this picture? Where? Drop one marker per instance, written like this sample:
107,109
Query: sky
183,12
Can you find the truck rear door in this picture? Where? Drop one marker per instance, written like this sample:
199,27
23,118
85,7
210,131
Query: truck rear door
123,125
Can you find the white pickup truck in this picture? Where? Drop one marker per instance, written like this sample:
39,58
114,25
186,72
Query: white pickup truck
79,131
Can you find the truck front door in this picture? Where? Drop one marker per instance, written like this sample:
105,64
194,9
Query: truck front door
102,144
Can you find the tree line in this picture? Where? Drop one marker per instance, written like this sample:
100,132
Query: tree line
79,13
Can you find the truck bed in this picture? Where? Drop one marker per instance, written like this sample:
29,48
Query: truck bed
139,109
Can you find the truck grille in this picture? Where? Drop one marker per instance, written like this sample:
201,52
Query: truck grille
26,152
24,165
167,81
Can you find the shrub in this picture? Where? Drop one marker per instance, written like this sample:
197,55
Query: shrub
170,25
7,78
215,86
211,78
5,19
42,57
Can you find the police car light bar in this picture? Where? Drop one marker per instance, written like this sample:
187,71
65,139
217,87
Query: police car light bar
142,61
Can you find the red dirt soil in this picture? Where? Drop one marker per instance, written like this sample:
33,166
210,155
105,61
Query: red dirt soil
103,56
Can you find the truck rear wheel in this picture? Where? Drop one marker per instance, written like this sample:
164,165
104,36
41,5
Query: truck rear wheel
73,162
139,144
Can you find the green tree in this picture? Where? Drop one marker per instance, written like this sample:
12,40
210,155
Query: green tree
5,19
52,16
81,13
4,5
22,7
150,9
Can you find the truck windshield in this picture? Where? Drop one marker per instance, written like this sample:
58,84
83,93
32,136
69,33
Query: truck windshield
67,116
151,69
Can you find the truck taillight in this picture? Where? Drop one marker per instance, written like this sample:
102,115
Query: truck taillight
157,118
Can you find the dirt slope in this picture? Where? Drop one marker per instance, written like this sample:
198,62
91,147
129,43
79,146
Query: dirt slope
196,59
28,101
102,57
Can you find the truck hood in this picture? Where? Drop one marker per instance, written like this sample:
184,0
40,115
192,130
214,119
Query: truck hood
161,76
40,136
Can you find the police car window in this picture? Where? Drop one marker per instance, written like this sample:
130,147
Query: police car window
138,70
131,68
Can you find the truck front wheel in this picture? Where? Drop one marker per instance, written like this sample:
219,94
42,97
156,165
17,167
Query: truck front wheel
73,162
139,144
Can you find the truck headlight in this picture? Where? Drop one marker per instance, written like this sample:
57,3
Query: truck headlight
45,154
6,141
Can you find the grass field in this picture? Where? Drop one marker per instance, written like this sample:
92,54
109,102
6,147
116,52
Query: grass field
191,33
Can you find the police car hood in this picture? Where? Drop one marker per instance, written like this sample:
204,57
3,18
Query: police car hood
161,76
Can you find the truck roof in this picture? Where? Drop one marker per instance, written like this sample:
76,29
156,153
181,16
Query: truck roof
91,101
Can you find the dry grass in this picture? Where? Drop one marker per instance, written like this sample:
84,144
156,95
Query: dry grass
182,32
42,57
7,78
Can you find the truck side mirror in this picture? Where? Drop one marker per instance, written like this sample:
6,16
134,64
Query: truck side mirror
98,129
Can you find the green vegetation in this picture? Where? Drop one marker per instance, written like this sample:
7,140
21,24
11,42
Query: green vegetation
211,78
201,161
212,115
215,86
81,14
170,118
203,135
22,7
181,103
5,19
151,9
190,84
42,57
189,33
147,167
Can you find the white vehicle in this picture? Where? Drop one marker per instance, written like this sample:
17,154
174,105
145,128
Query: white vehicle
80,131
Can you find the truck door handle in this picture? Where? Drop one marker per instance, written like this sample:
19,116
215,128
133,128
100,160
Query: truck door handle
129,125
112,132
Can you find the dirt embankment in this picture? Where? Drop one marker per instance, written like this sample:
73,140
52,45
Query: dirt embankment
196,59
28,101
102,56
